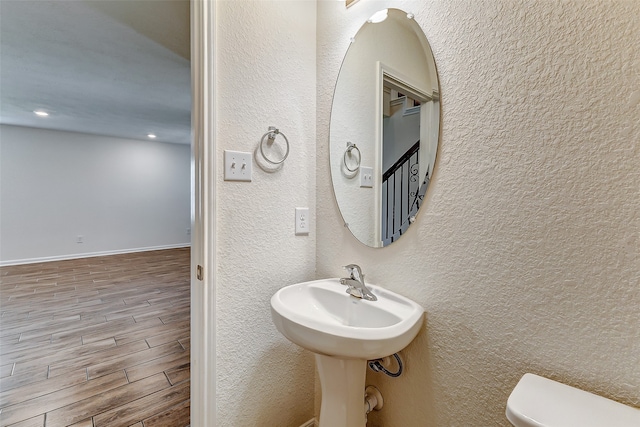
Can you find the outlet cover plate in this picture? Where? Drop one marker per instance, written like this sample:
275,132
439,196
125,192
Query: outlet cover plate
302,221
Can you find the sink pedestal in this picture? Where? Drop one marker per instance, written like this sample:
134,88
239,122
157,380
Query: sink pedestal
342,382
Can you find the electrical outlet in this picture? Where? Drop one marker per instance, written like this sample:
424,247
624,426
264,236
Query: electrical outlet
237,166
302,221
188,232
79,239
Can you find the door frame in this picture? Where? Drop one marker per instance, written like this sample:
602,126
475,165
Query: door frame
203,218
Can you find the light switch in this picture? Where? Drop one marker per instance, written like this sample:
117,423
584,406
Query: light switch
237,166
366,177
302,221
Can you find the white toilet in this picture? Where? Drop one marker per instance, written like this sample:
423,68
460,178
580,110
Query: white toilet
541,402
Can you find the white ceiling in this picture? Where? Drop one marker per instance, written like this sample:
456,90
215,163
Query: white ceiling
116,68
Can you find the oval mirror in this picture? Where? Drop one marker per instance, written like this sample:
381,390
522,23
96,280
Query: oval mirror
385,127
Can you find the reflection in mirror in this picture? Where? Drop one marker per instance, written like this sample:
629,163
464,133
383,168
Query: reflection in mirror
386,103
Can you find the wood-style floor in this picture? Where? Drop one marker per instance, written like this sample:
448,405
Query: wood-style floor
96,341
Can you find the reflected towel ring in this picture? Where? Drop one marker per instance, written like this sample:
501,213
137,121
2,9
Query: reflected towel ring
351,146
271,136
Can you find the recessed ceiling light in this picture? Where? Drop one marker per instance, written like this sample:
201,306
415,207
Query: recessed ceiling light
41,113
379,16
150,135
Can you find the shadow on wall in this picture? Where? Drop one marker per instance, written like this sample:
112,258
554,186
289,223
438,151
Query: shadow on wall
273,387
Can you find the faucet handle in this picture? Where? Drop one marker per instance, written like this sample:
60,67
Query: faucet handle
355,271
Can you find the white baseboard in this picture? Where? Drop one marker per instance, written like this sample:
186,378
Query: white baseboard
311,423
91,255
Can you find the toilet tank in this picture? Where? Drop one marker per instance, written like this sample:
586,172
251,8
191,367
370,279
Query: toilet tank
540,402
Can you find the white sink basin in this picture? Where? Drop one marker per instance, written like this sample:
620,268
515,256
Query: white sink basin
321,317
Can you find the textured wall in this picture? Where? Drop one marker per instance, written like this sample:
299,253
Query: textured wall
526,255
265,76
119,194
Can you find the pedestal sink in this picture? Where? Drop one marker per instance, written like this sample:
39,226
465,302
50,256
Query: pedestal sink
344,332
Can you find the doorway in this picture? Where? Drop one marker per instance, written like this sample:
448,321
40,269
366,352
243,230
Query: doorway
113,280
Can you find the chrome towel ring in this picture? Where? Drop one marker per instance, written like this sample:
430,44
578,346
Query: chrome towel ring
350,147
270,137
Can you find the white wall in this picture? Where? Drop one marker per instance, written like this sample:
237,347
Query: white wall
404,131
265,76
118,194
526,254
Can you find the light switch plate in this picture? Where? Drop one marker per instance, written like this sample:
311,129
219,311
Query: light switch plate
237,166
302,221
366,177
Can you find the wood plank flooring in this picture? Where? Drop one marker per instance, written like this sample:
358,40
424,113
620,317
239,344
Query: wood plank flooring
96,341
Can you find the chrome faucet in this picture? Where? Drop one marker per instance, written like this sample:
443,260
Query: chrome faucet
355,283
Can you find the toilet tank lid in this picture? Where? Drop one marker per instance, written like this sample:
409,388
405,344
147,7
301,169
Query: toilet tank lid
540,402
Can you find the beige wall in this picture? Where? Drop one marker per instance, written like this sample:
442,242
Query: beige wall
526,255
265,67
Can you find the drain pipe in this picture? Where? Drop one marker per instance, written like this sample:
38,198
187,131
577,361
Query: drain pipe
372,399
